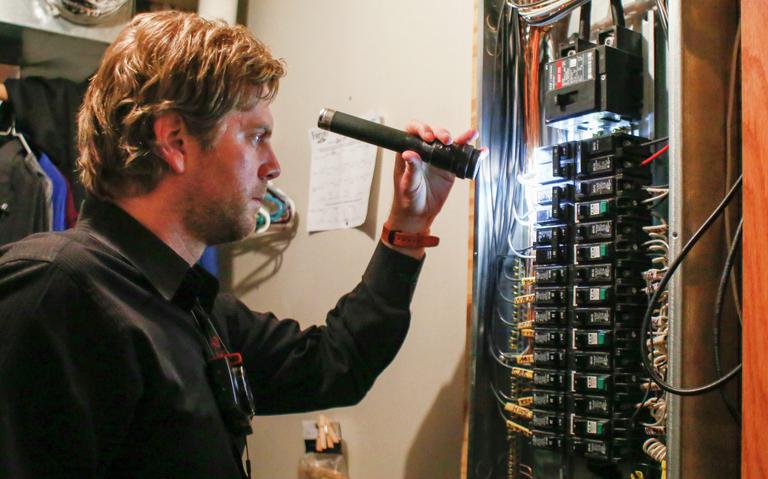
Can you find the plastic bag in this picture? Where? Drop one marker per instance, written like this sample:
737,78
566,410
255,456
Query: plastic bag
314,465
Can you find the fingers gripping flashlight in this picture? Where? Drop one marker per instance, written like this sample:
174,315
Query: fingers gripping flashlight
461,160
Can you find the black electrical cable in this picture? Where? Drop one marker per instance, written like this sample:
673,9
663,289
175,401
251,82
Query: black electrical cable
585,21
661,13
662,286
664,139
496,354
501,412
502,296
617,11
501,398
493,331
718,316
500,124
501,116
654,142
513,384
503,320
732,154
497,191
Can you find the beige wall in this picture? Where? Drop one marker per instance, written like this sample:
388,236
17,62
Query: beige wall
403,60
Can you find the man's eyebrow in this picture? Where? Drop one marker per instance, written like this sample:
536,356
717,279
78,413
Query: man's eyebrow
259,126
261,130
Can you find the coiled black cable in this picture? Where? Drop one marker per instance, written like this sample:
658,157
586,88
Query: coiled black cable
662,286
718,315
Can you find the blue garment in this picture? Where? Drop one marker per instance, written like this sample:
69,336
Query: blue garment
210,260
59,197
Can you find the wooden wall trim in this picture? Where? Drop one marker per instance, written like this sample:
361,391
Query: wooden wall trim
471,247
755,156
708,435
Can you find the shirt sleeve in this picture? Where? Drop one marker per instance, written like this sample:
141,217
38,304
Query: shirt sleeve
294,370
68,382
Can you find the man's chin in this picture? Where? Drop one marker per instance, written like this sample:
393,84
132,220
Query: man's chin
234,233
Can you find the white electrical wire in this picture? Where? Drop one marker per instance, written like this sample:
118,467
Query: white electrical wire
655,449
263,213
658,248
522,220
657,194
516,252
541,8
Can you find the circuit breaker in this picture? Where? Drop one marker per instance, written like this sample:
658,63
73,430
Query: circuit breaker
595,86
589,296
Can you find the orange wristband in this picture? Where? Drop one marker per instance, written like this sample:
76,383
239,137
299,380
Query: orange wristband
408,240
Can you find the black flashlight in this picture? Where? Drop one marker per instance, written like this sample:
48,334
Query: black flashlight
460,160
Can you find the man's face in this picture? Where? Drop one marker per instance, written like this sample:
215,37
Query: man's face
227,183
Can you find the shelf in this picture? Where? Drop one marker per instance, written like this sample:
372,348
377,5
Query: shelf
44,45
36,14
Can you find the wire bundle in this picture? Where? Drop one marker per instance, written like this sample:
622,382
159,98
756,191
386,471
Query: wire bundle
658,249
526,471
655,449
545,12
502,222
657,194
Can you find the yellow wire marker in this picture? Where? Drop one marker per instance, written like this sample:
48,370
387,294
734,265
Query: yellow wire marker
522,373
525,298
525,401
518,411
513,426
524,359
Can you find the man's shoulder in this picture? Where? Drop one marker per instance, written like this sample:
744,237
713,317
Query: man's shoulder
61,268
39,247
72,251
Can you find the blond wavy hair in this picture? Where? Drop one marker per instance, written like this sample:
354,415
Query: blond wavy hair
165,62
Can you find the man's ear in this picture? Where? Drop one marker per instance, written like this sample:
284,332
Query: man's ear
171,140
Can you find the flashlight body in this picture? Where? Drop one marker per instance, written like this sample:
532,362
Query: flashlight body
460,160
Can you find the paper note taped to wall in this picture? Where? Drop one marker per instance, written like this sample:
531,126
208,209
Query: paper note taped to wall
340,178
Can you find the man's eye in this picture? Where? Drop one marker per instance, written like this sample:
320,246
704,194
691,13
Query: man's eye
257,138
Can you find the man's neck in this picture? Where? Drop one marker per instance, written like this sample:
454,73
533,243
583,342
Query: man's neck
159,215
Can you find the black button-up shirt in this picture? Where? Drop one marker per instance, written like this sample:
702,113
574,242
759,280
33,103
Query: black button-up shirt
102,366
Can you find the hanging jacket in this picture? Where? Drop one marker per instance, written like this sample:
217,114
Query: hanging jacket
46,112
24,205
59,196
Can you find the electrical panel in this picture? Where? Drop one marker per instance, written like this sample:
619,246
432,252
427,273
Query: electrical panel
569,242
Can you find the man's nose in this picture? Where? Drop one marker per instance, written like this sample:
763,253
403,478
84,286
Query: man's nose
270,169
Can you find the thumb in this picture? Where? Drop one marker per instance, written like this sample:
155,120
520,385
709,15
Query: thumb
399,166
408,177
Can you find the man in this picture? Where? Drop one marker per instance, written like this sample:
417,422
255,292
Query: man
112,347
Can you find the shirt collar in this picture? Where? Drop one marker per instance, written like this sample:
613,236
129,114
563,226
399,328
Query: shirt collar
168,272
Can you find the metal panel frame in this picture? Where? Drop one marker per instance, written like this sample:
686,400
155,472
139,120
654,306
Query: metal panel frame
674,340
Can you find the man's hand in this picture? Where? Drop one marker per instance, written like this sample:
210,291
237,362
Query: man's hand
420,189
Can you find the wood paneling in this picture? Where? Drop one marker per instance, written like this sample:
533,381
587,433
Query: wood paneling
709,436
755,150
